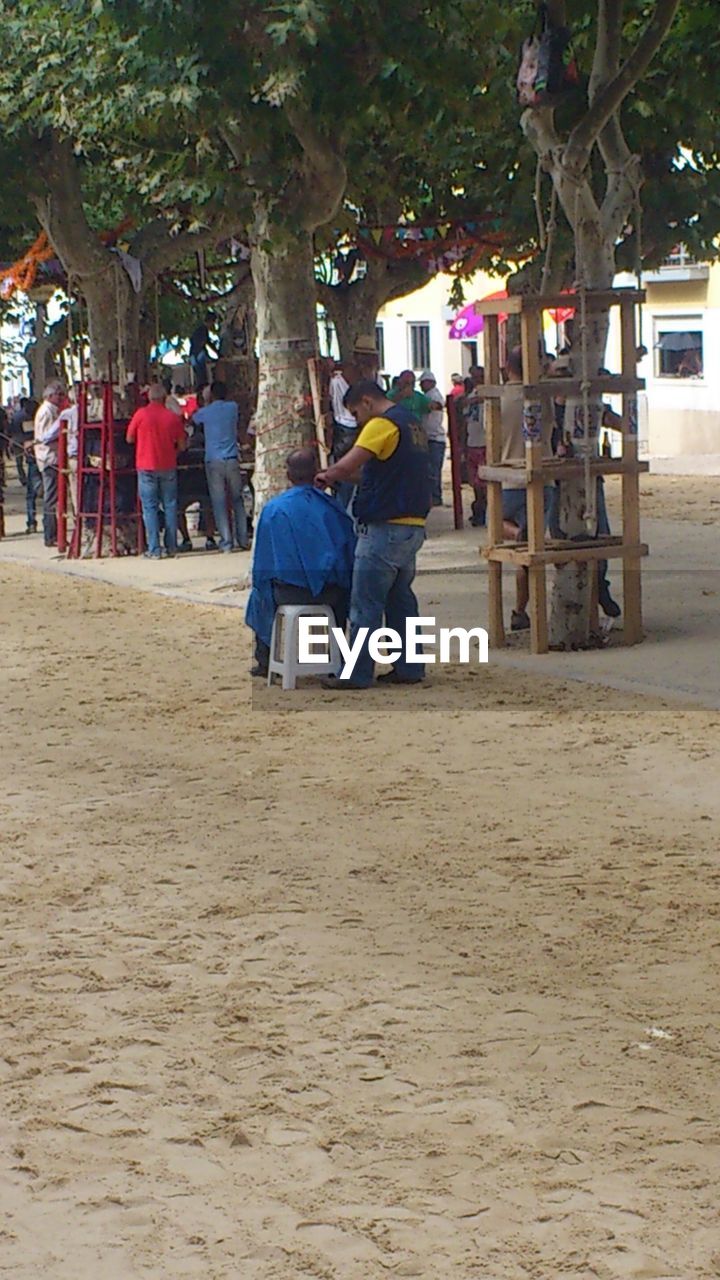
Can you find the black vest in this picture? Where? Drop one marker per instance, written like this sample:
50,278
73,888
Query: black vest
401,485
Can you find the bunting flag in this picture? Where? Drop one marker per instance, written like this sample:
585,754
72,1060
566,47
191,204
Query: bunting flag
461,240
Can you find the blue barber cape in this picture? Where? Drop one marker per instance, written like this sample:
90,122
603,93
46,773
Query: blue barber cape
304,537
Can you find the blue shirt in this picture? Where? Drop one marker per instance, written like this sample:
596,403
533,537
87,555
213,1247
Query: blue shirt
303,537
219,421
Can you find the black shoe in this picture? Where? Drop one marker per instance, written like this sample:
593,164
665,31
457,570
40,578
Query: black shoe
260,672
334,682
31,528
610,607
519,620
392,677
185,545
210,544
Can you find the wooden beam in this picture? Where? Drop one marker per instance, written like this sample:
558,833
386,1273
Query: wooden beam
530,337
596,299
518,556
632,578
561,469
320,438
493,438
609,385
511,306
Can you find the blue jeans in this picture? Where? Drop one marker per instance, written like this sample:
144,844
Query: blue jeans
33,491
603,531
437,457
156,489
343,440
49,474
383,574
198,364
222,474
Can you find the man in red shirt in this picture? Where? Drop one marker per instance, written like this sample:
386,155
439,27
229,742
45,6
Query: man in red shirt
157,434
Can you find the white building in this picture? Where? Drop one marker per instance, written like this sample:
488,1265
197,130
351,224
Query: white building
680,327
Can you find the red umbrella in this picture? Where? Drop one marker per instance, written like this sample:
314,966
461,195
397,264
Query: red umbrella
560,314
493,297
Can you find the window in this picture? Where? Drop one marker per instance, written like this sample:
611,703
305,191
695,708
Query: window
469,356
679,348
419,346
380,344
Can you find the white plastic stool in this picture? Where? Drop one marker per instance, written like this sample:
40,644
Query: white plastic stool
285,643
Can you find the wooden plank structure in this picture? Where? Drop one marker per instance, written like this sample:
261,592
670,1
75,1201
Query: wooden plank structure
538,552
317,400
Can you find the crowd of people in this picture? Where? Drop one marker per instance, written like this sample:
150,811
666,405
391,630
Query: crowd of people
169,429
346,535
356,551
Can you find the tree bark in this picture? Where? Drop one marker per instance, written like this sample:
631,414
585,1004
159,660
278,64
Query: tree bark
353,307
40,354
282,260
113,310
596,227
238,365
283,274
116,335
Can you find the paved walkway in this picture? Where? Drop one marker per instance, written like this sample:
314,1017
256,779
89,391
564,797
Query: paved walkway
679,659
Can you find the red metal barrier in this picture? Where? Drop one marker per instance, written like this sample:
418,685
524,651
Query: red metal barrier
62,542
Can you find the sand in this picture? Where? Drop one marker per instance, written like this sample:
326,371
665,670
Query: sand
686,498
418,984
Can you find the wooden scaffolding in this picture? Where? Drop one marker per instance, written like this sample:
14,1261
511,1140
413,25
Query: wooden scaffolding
538,552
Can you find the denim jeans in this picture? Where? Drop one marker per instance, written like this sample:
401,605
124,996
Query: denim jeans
224,474
33,491
49,473
343,440
156,489
383,574
437,457
603,530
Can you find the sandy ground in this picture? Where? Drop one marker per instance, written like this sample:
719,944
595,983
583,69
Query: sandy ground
687,498
420,984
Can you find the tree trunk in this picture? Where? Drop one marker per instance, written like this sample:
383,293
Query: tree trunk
39,355
283,273
353,306
113,310
571,598
353,309
238,366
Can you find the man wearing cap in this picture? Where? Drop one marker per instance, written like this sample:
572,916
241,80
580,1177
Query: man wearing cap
366,357
435,432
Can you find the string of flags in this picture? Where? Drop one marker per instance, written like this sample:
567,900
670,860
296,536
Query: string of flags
443,245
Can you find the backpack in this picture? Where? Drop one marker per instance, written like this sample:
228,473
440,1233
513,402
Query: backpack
547,67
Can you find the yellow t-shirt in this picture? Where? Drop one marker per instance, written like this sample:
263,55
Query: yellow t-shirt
381,437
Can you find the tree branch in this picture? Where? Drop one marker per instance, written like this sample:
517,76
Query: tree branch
61,211
606,60
157,249
575,195
326,177
612,95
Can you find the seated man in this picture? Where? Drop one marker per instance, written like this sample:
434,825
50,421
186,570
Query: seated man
304,545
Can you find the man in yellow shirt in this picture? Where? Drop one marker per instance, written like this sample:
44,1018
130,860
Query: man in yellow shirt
390,463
